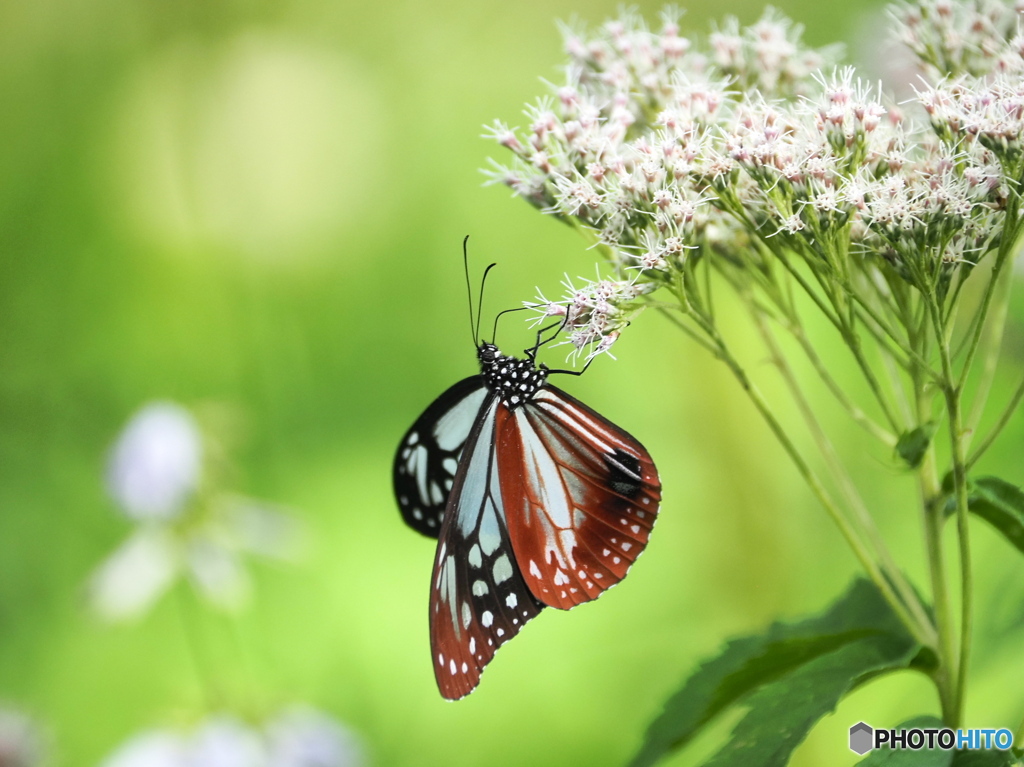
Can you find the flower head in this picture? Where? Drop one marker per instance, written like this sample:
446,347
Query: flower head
21,743
154,477
296,737
155,464
753,137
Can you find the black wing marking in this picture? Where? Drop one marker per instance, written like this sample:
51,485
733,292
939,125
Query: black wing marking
478,597
428,455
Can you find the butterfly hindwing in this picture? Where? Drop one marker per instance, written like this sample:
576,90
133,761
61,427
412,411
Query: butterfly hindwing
428,455
580,496
479,598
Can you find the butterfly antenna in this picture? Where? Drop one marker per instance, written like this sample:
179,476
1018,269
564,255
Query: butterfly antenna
494,332
480,304
469,288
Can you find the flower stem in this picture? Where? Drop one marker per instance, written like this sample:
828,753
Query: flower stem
852,537
880,433
999,426
932,502
952,392
888,564
204,668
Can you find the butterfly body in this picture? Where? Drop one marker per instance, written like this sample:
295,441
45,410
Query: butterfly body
535,499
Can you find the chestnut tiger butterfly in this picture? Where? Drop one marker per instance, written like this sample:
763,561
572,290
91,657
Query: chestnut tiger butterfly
535,500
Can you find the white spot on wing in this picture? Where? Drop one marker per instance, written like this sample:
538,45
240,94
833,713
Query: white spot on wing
488,534
512,600
487,619
502,569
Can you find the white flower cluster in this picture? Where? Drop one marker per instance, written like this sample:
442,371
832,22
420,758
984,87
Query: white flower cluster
21,742
154,476
962,37
595,313
298,737
668,150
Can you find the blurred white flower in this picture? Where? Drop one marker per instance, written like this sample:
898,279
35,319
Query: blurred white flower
304,737
297,737
155,464
132,578
150,749
20,741
217,572
154,471
226,742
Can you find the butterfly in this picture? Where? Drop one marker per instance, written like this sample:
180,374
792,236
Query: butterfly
534,498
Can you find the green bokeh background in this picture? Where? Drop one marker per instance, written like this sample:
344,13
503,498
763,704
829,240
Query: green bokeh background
255,208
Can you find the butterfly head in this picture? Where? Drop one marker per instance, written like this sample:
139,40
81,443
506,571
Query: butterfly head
513,379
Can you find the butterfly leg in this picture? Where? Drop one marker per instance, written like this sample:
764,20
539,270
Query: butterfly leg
531,354
574,372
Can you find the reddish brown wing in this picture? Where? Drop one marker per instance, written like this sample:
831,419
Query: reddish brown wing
478,598
580,497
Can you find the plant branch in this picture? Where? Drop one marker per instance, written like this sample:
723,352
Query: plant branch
849,490
852,537
994,432
952,393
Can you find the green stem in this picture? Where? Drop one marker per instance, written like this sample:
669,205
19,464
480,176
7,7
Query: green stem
1000,425
932,503
851,536
867,523
979,326
933,518
882,434
204,668
688,330
952,393
853,342
993,342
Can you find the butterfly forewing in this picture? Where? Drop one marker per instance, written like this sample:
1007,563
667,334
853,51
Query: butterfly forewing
580,496
428,455
479,598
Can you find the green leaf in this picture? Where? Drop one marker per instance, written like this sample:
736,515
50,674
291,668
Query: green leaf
886,757
984,759
1001,505
913,444
789,677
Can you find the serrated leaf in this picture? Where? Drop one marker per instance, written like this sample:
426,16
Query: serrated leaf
886,757
913,444
789,677
1001,505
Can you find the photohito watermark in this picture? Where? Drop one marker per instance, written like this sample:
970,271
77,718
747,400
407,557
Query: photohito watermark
864,738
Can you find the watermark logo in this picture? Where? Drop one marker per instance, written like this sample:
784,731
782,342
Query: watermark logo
860,738
864,738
